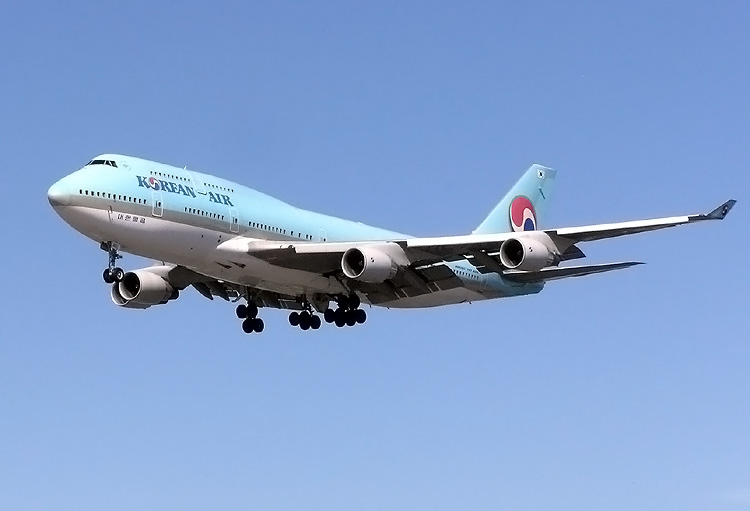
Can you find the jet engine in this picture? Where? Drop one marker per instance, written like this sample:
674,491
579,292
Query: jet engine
526,254
140,289
374,264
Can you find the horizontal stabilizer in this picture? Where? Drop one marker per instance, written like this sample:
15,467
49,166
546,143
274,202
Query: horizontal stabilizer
555,273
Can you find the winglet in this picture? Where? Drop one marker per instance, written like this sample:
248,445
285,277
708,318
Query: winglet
722,211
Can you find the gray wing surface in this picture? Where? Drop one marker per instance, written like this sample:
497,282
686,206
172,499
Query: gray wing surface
425,271
554,273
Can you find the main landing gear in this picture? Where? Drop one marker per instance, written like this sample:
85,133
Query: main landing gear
249,316
112,273
348,312
305,320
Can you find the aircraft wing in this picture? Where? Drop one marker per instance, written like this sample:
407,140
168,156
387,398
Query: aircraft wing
325,259
603,231
181,277
420,271
451,248
232,292
555,273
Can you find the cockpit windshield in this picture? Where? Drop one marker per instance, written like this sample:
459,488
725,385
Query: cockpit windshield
111,163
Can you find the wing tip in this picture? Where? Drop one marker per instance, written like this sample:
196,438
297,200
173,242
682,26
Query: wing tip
722,211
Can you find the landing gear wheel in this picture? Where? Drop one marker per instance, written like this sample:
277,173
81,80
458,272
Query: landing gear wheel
315,322
351,319
329,315
251,310
248,313
343,302
118,274
340,318
294,318
112,275
354,301
304,320
360,316
248,326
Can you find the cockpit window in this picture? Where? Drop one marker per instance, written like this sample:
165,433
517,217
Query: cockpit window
111,163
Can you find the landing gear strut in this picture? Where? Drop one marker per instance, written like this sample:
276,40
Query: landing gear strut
249,316
348,312
113,273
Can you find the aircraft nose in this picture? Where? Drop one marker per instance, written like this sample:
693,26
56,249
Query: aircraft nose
58,194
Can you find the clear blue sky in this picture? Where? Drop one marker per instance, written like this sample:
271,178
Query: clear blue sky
621,391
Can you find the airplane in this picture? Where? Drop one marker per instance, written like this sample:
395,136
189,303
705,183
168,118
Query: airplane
233,242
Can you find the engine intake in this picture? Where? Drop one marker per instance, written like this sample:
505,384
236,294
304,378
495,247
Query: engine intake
141,289
369,264
525,254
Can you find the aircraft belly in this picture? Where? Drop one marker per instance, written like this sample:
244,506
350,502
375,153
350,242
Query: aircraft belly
257,273
447,297
92,223
198,248
193,247
143,235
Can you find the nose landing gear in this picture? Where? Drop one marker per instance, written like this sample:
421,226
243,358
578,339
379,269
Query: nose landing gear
113,273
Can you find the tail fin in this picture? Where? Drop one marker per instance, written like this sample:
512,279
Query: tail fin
523,207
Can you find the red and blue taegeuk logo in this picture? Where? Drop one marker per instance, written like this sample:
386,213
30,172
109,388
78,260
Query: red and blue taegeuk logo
522,215
154,183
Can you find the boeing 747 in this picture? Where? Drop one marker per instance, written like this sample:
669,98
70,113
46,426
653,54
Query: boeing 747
230,241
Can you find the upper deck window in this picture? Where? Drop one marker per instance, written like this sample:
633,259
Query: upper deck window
111,163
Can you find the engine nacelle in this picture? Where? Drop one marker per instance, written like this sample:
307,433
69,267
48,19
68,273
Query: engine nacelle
371,263
141,289
526,254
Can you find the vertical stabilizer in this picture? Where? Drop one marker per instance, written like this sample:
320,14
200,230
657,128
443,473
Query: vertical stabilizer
523,207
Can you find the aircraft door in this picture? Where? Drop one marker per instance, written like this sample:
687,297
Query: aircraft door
198,185
157,204
234,218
